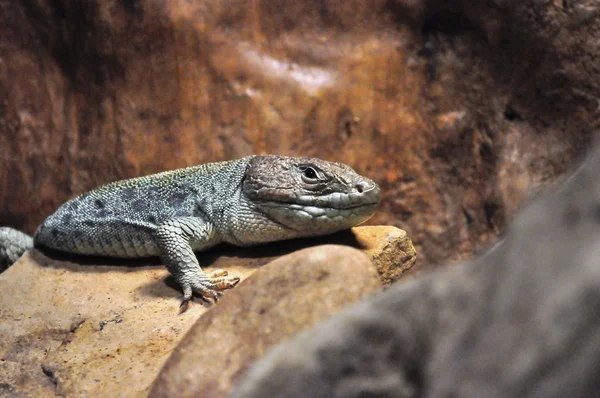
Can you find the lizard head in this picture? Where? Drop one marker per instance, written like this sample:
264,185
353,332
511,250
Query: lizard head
308,195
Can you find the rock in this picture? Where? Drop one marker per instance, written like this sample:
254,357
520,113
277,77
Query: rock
459,110
286,296
101,328
389,248
521,321
77,330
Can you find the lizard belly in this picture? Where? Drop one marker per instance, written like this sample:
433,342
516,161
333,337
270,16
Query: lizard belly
97,238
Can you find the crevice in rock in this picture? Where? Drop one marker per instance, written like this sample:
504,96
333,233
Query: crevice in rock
512,115
116,320
50,373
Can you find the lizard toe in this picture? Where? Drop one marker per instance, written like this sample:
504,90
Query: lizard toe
224,283
217,273
206,291
187,297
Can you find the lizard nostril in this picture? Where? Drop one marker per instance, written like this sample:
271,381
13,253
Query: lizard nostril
364,187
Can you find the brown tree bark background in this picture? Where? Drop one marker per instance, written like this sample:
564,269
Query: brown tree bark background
458,109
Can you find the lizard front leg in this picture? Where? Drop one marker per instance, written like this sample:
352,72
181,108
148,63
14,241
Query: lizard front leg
173,239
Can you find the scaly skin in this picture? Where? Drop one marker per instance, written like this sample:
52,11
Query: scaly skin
13,244
244,202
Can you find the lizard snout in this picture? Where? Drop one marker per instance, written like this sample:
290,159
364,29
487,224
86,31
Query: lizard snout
364,186
365,192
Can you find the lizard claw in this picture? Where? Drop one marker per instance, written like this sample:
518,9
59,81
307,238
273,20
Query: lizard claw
185,304
224,283
208,287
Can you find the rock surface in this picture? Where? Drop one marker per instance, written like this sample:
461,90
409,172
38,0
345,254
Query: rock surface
287,295
458,109
99,328
522,321
389,248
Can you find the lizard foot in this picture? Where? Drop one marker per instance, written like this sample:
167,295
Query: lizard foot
208,287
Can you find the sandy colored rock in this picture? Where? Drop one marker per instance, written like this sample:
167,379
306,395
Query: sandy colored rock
78,326
286,296
86,330
389,248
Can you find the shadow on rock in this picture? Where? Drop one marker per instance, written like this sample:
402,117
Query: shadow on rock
207,257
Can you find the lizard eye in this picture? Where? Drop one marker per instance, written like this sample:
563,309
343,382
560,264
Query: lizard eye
310,173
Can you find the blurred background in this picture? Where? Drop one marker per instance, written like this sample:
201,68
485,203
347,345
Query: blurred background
460,110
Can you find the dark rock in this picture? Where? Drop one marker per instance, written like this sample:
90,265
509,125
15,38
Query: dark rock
522,321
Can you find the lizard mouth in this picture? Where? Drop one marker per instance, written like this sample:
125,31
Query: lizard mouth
317,208
315,211
297,206
333,201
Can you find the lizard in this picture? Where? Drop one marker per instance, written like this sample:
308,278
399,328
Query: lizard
173,214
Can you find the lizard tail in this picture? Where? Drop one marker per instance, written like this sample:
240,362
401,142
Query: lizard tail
13,244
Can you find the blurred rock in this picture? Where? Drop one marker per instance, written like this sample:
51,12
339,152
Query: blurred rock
522,321
287,295
458,109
